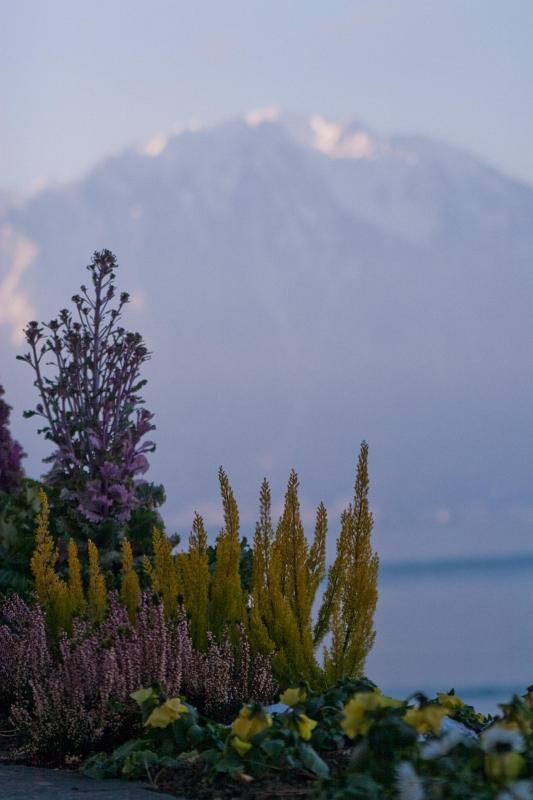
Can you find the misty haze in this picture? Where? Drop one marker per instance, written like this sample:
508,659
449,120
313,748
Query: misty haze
335,249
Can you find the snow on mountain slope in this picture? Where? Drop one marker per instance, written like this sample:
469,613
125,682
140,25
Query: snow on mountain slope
305,284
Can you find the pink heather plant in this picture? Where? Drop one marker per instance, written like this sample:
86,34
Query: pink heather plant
74,700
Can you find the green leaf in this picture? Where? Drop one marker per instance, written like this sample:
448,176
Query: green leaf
273,747
195,734
230,765
100,766
363,787
313,705
127,748
172,762
137,763
142,695
312,761
292,761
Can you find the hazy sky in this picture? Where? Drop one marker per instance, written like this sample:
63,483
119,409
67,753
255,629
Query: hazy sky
81,80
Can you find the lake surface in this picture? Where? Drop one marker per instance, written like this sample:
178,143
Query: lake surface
466,624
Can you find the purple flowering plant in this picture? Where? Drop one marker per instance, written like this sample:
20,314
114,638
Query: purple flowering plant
87,372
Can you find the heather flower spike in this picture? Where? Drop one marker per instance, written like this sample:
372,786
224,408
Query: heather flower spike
67,699
90,403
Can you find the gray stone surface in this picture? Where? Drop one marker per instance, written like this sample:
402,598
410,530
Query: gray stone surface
30,783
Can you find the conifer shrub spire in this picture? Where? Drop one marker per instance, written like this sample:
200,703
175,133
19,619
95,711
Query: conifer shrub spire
262,607
90,402
293,587
75,584
97,594
51,590
11,453
196,582
227,598
163,572
130,588
351,595
287,571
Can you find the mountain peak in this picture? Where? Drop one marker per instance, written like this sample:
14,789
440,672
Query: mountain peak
343,141
304,286
338,139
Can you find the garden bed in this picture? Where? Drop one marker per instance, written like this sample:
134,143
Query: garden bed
133,661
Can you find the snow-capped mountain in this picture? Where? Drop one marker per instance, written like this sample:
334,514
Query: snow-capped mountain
304,284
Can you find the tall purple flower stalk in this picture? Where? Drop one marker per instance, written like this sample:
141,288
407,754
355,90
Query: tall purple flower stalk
11,453
90,400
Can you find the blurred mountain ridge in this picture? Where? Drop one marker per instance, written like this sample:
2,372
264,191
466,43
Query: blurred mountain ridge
304,284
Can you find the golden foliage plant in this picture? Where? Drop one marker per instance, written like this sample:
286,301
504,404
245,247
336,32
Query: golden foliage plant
277,609
286,575
130,590
52,592
195,580
164,572
261,601
227,598
351,596
97,594
45,555
287,572
78,603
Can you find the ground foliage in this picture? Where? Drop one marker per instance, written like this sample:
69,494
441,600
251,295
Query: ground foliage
350,741
17,537
11,452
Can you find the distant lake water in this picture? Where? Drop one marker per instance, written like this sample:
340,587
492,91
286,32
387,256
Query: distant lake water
463,624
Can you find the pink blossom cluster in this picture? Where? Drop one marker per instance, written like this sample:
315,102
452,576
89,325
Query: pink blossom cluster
220,680
70,698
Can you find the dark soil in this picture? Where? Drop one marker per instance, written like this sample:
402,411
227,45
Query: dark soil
193,783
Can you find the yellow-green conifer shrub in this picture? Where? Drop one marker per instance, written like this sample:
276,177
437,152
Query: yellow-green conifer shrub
75,585
45,555
52,592
97,594
227,598
287,572
285,576
294,573
60,614
130,590
164,572
195,578
261,600
351,596
316,562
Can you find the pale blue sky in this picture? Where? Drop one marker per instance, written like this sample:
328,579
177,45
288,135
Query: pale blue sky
81,80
